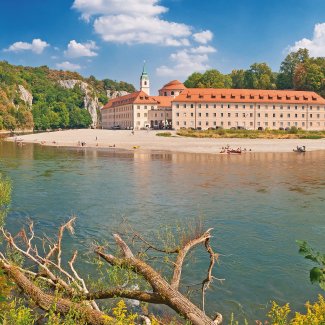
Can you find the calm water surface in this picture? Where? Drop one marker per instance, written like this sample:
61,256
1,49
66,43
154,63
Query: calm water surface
258,204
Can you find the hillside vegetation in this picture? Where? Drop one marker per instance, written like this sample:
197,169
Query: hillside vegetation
298,71
48,104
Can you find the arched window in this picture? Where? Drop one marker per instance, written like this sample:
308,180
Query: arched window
172,93
145,83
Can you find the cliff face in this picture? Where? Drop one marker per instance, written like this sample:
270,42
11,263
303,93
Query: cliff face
43,98
91,103
25,96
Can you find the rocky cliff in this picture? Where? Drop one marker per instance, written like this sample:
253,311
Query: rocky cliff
91,103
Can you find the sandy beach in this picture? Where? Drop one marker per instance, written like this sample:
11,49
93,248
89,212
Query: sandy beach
147,140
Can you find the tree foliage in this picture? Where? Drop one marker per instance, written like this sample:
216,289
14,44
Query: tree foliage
53,106
317,273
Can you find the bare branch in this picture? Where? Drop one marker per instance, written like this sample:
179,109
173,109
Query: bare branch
182,254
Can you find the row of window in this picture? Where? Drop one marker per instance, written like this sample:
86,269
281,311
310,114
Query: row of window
251,124
245,106
250,115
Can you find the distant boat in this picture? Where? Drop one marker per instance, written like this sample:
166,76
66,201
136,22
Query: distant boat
300,149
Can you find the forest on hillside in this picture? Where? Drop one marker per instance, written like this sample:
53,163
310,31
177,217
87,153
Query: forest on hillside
298,71
53,106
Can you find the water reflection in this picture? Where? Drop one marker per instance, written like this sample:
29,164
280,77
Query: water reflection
259,204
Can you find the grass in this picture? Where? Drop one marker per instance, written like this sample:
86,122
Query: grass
164,134
293,133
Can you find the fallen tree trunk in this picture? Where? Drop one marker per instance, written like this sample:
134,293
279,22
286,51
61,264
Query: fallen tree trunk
46,301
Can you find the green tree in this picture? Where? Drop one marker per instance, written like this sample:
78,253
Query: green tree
259,76
238,79
5,196
288,67
193,80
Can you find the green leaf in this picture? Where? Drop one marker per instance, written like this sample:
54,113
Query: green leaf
2,299
315,274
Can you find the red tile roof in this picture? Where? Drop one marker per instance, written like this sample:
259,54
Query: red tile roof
138,97
249,95
174,84
164,101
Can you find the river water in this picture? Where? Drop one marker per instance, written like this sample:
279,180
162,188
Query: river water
258,205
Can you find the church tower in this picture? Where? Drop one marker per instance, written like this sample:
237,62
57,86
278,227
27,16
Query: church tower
144,80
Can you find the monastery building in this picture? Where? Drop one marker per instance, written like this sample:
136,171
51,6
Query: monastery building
203,108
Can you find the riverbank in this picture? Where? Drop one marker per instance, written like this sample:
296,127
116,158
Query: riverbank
148,140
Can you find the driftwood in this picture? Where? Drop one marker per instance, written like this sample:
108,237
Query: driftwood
71,285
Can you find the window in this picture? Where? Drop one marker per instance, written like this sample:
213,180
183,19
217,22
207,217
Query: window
229,114
296,124
250,114
206,106
244,115
302,115
251,123
199,105
165,93
303,123
281,115
236,106
172,93
177,114
273,106
244,106
229,123
318,115
258,106
288,115
177,123
296,107
251,106
311,115
266,115
145,107
214,106
207,114
199,122
192,114
192,106
177,105
221,114
206,123
199,114
266,124
184,105
214,114
221,123
303,107
258,115
214,123
236,114
138,107
228,106
273,114
288,123
145,114
281,107
138,115
184,123
288,107
221,105
296,115
274,124
311,108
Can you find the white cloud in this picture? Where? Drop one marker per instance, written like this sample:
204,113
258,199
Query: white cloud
316,45
147,8
203,37
141,30
37,46
77,50
184,62
133,22
66,65
203,49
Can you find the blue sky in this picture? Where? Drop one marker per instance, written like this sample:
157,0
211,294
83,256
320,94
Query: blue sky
111,38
